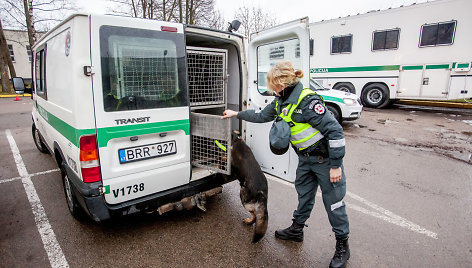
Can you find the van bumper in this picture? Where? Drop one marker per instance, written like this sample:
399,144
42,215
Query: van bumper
93,203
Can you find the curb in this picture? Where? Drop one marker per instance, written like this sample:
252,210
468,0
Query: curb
14,95
437,104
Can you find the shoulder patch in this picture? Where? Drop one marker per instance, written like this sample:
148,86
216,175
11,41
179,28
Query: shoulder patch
317,106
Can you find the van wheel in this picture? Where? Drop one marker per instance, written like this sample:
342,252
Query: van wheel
335,112
347,87
375,96
38,141
74,207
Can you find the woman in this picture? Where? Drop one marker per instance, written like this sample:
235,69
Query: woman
318,139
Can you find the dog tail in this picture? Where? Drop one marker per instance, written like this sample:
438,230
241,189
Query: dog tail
262,219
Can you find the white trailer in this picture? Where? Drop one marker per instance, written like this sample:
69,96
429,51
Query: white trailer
422,51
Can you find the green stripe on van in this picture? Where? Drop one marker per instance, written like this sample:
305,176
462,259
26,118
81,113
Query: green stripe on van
106,134
66,130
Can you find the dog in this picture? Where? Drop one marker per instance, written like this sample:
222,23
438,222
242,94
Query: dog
254,190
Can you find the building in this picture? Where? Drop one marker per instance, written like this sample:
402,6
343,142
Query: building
20,52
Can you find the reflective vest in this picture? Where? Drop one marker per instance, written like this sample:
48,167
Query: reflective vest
303,135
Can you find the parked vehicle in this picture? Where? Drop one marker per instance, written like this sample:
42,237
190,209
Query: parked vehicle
130,109
421,51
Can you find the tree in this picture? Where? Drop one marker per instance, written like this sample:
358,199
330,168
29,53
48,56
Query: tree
254,19
33,15
5,62
197,12
5,52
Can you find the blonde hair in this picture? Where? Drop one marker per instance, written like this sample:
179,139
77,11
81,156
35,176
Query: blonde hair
283,74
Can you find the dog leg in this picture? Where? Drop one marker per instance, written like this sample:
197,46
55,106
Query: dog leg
250,220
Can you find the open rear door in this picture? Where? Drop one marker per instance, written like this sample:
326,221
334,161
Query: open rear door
288,41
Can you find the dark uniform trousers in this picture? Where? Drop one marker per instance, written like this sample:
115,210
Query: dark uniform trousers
311,172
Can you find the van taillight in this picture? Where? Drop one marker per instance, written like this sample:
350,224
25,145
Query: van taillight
90,166
168,29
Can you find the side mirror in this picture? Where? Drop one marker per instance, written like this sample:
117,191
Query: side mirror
234,25
18,85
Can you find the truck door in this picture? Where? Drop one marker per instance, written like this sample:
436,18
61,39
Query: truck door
141,106
289,41
435,81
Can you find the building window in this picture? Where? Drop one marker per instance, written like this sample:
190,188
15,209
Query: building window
341,44
30,54
297,51
12,55
438,34
384,40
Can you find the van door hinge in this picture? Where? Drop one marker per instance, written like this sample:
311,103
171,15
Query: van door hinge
88,70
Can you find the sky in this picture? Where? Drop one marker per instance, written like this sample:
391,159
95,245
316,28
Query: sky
284,10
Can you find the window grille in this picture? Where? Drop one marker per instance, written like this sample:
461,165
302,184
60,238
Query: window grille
206,76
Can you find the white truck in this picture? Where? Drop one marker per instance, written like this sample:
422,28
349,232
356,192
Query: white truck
421,52
130,109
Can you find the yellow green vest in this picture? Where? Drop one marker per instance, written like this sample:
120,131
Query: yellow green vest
303,135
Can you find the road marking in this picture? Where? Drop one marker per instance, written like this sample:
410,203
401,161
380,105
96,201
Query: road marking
381,213
31,175
393,218
52,247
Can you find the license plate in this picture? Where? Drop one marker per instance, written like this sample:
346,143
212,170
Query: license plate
138,153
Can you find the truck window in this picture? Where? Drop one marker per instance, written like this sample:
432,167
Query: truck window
383,40
341,44
40,74
269,54
437,34
142,69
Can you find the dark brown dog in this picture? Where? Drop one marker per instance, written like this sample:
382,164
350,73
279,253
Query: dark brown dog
254,188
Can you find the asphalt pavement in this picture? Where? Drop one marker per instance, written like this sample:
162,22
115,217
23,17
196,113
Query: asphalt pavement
409,205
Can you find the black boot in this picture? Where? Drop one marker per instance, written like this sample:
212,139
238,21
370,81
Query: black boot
294,232
342,253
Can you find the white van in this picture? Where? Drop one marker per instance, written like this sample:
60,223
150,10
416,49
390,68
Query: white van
130,109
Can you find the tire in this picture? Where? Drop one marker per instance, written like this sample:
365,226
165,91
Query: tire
72,203
38,140
347,87
335,112
375,96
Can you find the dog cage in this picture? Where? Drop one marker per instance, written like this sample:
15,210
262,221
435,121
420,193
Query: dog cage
211,136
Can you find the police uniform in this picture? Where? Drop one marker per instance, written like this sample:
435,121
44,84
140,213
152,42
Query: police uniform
319,142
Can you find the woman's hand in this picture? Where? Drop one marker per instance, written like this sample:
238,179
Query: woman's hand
335,174
229,114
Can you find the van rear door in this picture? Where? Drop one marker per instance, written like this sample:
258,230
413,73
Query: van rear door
289,41
141,106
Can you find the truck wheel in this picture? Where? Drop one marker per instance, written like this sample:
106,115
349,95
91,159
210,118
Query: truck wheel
375,96
38,141
72,203
335,112
348,87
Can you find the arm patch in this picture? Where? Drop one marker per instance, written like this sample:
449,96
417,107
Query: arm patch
317,106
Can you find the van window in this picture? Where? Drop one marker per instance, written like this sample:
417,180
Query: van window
269,54
142,69
384,40
341,44
437,34
40,74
